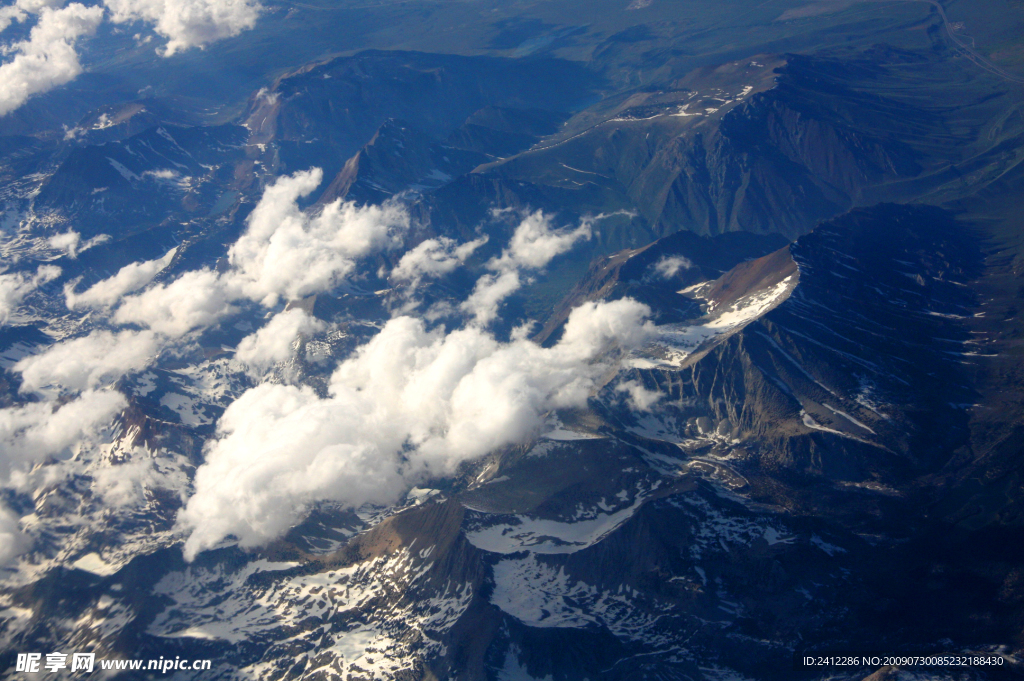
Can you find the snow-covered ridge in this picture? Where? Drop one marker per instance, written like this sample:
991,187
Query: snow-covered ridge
676,342
544,536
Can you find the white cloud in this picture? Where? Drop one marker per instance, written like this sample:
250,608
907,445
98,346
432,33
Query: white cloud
410,403
284,253
669,266
128,279
288,253
433,258
188,23
273,343
195,299
125,484
48,58
71,242
67,242
488,294
19,11
639,397
15,287
594,328
10,14
534,244
34,431
12,541
90,361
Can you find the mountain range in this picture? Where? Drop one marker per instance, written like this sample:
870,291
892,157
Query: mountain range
553,341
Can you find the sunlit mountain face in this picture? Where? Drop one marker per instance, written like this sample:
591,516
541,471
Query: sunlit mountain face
539,341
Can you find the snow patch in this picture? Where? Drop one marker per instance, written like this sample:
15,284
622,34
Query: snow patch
539,535
676,342
91,562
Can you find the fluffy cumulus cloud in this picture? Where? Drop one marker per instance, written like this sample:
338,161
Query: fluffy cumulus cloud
669,266
109,292
70,242
284,253
273,343
188,23
34,431
534,244
288,253
411,403
15,287
90,361
21,9
640,398
193,300
433,258
48,58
